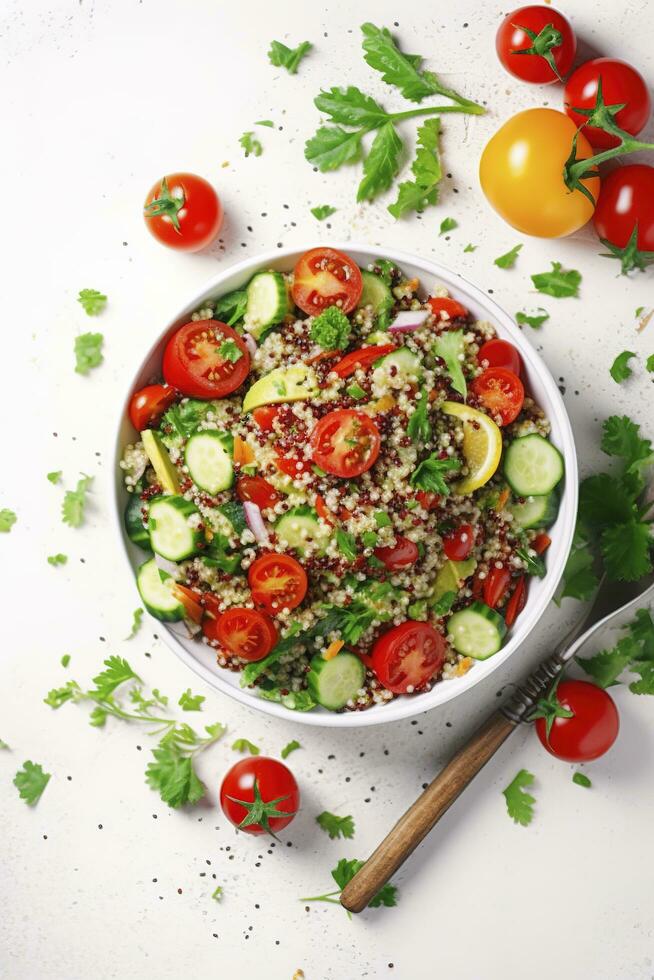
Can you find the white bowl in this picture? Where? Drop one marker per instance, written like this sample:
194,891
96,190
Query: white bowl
200,657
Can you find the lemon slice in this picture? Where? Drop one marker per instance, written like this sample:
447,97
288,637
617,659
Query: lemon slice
482,445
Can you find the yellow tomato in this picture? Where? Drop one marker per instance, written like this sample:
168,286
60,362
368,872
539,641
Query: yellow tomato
521,174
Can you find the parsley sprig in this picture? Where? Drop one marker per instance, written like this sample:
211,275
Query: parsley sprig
343,873
335,826
520,805
30,781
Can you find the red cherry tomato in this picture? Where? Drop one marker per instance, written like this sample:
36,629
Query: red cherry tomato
184,212
258,490
541,543
560,47
277,582
248,633
292,466
363,358
276,787
592,729
626,200
458,545
502,354
147,405
400,555
325,277
495,585
621,85
430,501
194,364
446,308
501,392
265,417
345,443
407,656
516,603
322,510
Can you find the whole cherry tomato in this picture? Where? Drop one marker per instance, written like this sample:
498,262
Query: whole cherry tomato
578,721
500,353
184,212
260,795
621,85
536,44
400,555
624,216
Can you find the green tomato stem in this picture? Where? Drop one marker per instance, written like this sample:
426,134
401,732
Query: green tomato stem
580,167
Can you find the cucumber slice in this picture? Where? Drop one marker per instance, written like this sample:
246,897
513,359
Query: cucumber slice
154,586
375,293
208,456
171,535
477,631
136,529
532,466
299,526
267,302
161,461
335,682
407,364
536,511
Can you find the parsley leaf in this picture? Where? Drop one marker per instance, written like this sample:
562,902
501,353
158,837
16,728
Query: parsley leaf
137,620
251,144
626,551
447,224
346,544
443,605
217,893
55,476
415,195
92,301
291,747
343,873
450,346
229,351
507,261
520,805
606,666
534,320
265,122
649,363
173,775
382,163
7,520
57,559
336,826
429,474
231,307
332,146
470,248
243,745
535,564
72,508
282,56
116,673
184,418
559,282
620,369
579,578
65,660
322,211
419,427
88,352
30,781
190,702
581,780
331,329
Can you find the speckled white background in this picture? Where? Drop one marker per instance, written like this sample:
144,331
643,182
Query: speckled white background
101,879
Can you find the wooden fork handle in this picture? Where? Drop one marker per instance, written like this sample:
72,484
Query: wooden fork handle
425,812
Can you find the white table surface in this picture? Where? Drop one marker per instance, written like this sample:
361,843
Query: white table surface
101,879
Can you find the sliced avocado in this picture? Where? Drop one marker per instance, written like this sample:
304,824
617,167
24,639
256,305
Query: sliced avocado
451,575
292,384
161,461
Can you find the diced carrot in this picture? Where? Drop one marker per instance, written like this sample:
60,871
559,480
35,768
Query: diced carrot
503,499
541,543
332,650
190,600
322,510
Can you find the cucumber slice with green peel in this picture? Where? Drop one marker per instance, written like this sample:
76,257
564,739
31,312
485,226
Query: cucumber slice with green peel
335,682
532,466
406,364
267,302
535,512
208,456
155,589
171,534
375,293
477,631
136,529
300,527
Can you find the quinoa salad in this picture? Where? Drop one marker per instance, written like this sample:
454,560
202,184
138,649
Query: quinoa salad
340,484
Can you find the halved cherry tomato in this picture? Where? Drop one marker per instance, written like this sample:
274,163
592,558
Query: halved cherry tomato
516,603
363,358
556,43
428,500
147,405
277,582
541,543
495,585
621,85
407,656
190,600
501,392
446,308
322,510
325,277
458,545
345,443
248,633
402,554
265,417
184,212
194,364
292,466
258,490
502,354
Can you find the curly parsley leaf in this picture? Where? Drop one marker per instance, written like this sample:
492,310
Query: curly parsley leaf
520,805
244,745
508,260
534,320
72,508
382,163
322,211
450,346
92,301
88,351
416,195
620,369
55,476
429,474
57,559
7,520
191,702
251,144
419,428
559,282
335,826
447,224
580,779
281,56
331,329
291,747
30,781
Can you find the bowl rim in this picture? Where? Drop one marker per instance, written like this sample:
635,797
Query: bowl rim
405,707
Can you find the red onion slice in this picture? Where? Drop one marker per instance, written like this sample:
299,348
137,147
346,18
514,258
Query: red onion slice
408,320
255,521
250,343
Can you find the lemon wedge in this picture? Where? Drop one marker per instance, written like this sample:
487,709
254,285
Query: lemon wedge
482,445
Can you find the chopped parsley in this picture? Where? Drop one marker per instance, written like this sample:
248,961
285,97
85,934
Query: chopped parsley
55,476
331,329
251,144
346,544
88,352
282,56
535,564
335,826
265,122
92,301
57,559
429,474
534,320
65,660
419,428
191,702
508,260
520,805
217,893
184,418
382,519
137,621
229,351
30,781
620,369
581,780
470,248
244,745
447,224
72,508
559,282
451,347
322,211
7,520
291,747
